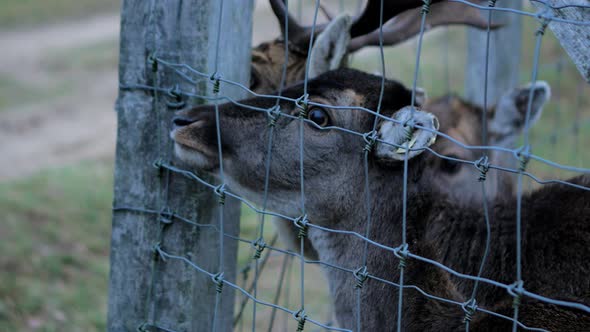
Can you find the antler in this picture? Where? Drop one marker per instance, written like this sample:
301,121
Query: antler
407,24
366,22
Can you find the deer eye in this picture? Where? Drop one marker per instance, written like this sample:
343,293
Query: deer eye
319,116
450,166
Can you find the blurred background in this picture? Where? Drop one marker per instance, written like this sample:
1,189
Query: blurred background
58,84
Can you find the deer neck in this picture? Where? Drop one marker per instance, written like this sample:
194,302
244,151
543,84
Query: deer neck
352,252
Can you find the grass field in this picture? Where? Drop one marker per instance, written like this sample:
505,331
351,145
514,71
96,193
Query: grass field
27,13
55,228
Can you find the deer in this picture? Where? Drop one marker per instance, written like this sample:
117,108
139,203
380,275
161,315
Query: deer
343,35
340,37
555,219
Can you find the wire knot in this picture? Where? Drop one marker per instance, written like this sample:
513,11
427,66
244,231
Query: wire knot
492,3
425,7
220,192
259,245
360,275
516,290
218,280
142,327
483,165
159,165
215,78
273,114
402,252
300,316
370,140
166,216
523,155
175,101
469,307
302,103
301,223
543,26
152,62
157,252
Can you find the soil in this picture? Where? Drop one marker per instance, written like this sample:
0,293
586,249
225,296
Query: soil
60,131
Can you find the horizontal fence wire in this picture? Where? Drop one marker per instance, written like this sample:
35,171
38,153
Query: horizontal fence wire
258,243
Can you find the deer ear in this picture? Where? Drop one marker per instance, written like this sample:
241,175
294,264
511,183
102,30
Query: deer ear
509,116
330,47
395,137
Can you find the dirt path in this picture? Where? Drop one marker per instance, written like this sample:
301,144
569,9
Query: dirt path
59,131
82,125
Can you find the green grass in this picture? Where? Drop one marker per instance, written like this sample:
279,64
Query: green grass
18,13
54,240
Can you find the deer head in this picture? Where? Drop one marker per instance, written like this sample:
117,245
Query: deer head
343,35
334,173
463,122
244,138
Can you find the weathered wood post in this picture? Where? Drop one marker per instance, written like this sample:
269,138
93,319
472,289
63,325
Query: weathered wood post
575,39
145,290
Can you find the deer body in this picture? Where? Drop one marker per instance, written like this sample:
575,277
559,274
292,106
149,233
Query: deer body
343,35
437,227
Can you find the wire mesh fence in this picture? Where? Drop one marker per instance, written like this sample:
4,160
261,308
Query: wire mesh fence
293,304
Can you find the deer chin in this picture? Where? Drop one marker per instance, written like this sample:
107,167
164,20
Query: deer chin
190,150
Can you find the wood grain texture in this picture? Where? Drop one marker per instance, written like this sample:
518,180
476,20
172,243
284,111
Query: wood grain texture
575,39
182,298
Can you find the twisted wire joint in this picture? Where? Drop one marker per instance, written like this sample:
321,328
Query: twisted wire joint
402,252
218,280
175,95
302,103
300,317
259,246
469,308
370,140
216,83
220,191
516,290
425,7
360,276
301,223
523,155
483,165
273,114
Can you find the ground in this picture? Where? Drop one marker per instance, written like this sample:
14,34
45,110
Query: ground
58,84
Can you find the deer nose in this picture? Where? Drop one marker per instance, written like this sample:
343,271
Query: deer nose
180,121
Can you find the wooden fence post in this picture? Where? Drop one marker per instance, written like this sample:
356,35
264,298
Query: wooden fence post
144,290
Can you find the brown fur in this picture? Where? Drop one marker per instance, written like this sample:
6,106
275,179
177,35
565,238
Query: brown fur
555,219
267,66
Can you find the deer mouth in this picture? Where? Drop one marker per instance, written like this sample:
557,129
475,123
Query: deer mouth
193,146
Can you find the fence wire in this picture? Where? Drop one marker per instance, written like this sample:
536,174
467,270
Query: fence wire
261,250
